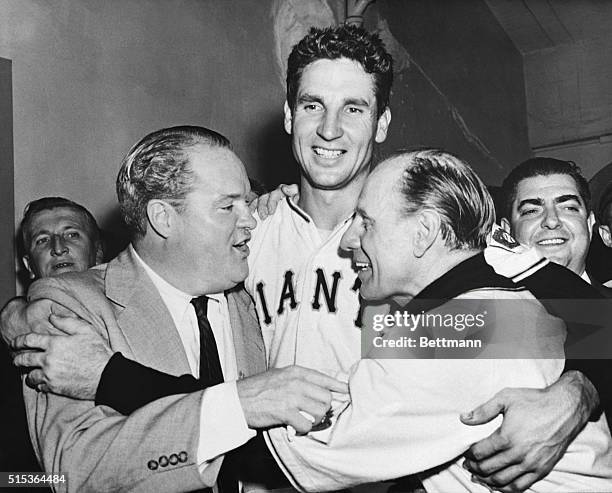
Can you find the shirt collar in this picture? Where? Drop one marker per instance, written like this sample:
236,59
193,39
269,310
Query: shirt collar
586,277
176,299
304,215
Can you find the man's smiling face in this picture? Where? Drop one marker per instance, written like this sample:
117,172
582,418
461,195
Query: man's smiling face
549,214
334,123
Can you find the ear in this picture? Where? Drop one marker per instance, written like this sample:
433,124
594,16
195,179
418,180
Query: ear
505,225
427,230
606,235
383,125
590,223
26,262
288,118
99,253
161,216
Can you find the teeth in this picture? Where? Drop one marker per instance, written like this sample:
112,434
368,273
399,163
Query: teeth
62,265
552,241
327,153
361,266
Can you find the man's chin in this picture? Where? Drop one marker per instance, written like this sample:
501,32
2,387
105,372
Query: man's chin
328,181
369,294
562,261
239,276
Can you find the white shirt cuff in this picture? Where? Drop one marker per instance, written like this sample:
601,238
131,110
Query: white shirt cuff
223,426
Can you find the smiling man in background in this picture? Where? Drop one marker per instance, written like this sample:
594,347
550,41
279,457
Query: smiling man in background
547,206
59,236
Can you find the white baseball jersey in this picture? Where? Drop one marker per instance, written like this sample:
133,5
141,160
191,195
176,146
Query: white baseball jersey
305,292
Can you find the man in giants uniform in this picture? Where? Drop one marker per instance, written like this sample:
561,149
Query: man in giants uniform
338,83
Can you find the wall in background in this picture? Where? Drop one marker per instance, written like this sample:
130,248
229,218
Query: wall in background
591,155
569,102
466,71
91,77
567,50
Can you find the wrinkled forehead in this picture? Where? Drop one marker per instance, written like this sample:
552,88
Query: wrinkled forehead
58,216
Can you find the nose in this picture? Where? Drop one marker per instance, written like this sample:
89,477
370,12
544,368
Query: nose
351,239
58,246
246,219
551,218
330,127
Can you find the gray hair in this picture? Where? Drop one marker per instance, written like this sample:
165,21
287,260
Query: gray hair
437,180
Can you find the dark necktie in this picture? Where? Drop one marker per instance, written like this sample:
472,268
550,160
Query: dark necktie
211,374
210,366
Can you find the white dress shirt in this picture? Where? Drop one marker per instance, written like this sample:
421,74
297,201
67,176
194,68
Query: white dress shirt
222,423
586,277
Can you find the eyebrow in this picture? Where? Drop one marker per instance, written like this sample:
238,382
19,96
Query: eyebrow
567,198
530,202
558,200
233,196
312,98
45,231
309,98
39,232
357,102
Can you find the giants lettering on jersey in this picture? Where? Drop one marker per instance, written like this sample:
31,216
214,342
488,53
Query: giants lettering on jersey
324,295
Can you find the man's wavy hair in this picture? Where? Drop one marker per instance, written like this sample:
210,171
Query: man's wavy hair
158,167
437,180
542,166
345,41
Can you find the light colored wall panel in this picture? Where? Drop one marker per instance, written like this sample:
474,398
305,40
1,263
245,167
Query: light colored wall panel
569,93
590,156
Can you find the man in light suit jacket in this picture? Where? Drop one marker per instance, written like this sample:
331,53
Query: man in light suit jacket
183,193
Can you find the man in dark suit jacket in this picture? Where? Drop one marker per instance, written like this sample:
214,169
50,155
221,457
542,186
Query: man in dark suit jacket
183,193
546,204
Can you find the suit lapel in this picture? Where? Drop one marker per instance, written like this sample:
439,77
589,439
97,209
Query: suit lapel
144,318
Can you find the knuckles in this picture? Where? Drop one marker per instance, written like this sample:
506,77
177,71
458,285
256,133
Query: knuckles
514,488
504,442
